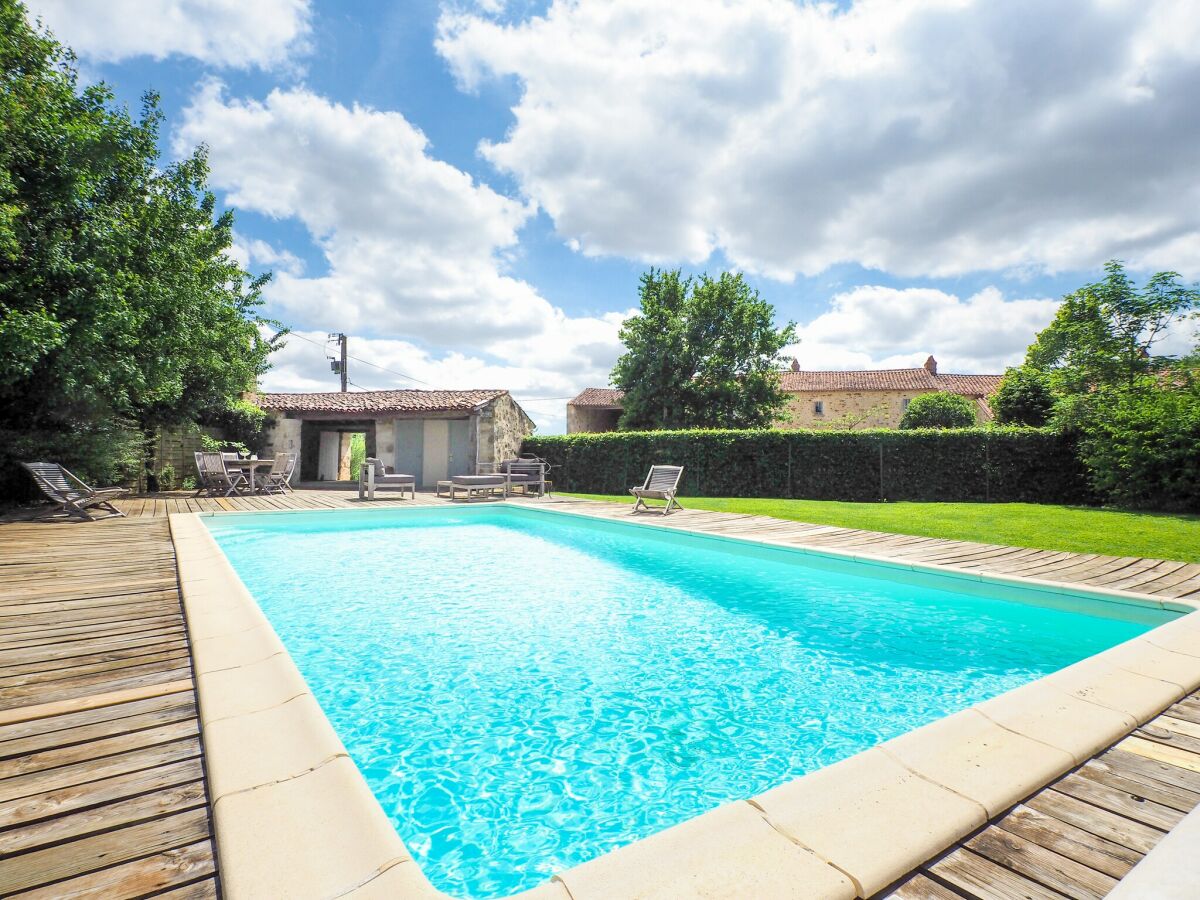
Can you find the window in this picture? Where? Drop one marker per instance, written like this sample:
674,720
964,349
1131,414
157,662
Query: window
904,403
819,407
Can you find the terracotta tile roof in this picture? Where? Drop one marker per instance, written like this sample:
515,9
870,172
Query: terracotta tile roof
873,380
971,385
599,398
378,402
920,379
891,380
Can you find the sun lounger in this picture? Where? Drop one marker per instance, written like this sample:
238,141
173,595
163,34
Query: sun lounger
662,483
374,475
72,496
477,485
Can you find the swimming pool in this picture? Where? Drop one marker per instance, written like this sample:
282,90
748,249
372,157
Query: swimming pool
525,690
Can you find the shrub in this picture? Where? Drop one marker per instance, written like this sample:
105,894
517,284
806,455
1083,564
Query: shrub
101,453
1010,464
1142,447
1023,398
939,410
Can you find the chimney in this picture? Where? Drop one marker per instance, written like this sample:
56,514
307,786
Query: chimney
795,364
931,365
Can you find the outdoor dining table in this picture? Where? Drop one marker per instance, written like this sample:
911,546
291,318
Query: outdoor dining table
249,466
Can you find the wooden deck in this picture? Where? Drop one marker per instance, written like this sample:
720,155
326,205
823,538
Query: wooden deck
1079,836
102,790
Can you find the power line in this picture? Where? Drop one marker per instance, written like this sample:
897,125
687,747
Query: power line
365,362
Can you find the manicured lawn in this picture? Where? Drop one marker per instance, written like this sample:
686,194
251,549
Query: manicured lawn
1075,528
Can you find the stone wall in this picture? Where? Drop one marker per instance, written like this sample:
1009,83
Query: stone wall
501,432
282,435
846,409
591,418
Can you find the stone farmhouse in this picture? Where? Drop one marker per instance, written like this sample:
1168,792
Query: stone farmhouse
429,434
874,398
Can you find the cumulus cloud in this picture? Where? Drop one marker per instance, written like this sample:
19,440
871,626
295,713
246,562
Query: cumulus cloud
919,137
881,327
382,363
228,33
415,248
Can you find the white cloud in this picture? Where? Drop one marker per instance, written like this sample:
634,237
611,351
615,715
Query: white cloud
873,327
229,33
415,248
259,253
920,137
302,366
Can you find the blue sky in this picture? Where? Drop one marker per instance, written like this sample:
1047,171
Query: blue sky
472,190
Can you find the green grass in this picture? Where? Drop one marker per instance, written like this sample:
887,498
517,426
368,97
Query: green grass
1075,528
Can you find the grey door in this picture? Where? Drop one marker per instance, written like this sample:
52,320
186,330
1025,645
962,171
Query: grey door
462,447
410,447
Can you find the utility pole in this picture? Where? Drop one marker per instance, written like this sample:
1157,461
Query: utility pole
339,365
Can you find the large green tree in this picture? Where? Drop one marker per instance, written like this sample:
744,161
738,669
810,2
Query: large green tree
700,353
119,301
1104,333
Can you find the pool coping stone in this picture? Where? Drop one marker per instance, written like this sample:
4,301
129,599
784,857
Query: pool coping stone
302,821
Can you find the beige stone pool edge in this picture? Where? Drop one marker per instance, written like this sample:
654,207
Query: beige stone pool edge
294,817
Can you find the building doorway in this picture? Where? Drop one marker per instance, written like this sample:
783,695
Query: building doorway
341,455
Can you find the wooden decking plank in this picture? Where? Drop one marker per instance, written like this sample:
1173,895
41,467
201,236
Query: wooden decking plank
922,887
1093,851
115,814
1130,764
1131,783
1039,864
1130,805
81,734
1100,822
102,851
977,876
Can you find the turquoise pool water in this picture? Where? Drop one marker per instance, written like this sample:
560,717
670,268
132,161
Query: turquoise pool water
524,691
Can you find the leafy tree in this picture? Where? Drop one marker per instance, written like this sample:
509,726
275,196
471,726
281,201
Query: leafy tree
1141,445
119,302
701,353
1023,397
1103,333
938,410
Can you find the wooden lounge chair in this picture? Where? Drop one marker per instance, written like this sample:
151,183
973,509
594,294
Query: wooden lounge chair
72,495
374,475
662,483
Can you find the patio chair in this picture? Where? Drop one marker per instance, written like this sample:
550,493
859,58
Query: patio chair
527,474
662,483
201,478
373,474
277,481
72,495
219,480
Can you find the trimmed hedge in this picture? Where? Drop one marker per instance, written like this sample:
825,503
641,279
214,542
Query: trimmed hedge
970,464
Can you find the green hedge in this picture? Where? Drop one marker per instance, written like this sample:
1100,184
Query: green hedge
984,464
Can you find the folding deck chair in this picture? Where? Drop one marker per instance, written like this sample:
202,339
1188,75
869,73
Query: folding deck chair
71,494
662,483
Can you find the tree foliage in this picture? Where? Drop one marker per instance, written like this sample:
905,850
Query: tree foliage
700,353
1023,397
1141,445
1103,333
119,302
1135,414
938,410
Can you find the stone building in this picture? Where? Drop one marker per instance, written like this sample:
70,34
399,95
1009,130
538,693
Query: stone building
595,409
429,434
873,398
